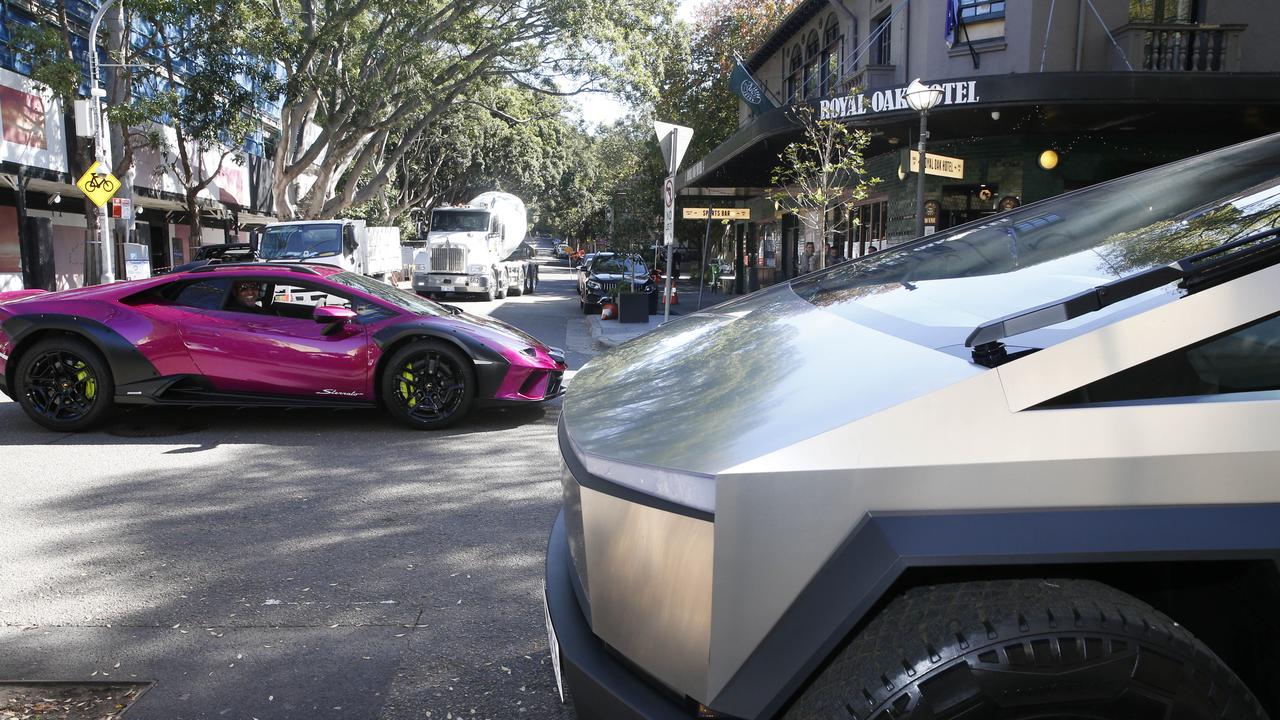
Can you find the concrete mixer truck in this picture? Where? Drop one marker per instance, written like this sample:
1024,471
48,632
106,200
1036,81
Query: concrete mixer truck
475,249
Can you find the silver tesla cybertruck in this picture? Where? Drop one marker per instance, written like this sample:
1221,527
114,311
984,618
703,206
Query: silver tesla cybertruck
1025,468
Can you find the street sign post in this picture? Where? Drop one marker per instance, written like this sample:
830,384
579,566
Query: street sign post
668,211
674,140
98,184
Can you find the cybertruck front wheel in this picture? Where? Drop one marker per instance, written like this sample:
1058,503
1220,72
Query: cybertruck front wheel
428,385
64,384
1024,649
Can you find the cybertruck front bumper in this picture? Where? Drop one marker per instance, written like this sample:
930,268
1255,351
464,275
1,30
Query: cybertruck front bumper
602,687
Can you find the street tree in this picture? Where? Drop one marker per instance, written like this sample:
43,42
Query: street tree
196,102
695,91
186,88
366,79
821,172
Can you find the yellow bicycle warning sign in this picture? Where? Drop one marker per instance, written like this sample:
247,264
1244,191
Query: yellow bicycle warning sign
98,186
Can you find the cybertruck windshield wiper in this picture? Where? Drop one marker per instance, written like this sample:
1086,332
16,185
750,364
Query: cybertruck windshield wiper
1196,272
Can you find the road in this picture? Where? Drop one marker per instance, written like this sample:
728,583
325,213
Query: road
291,564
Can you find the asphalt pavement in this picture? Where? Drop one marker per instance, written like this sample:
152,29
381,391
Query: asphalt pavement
291,564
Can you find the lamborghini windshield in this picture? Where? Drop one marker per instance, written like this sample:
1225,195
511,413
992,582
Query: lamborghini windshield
393,295
935,290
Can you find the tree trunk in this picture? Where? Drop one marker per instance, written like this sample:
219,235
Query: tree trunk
193,222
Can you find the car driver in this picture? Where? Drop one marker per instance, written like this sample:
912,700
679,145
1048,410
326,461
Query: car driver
246,294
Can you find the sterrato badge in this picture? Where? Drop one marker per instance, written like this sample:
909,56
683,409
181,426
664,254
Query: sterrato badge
751,92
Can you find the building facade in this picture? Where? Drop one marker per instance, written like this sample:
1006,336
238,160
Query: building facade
41,158
1039,97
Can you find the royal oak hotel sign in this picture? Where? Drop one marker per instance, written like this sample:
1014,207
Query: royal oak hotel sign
880,101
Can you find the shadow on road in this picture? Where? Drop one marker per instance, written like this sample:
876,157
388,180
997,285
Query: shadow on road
287,564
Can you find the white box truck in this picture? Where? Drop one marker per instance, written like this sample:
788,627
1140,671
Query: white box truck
348,244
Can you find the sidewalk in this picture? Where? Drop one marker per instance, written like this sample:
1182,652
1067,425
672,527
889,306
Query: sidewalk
607,334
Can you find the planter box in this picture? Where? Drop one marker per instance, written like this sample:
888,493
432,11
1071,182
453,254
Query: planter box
633,308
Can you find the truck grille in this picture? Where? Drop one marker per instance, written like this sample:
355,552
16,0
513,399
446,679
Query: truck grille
449,259
607,288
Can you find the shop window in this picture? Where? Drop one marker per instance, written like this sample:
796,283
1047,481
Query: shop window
882,51
1246,359
871,229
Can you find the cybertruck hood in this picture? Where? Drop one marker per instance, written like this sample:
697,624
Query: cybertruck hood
721,387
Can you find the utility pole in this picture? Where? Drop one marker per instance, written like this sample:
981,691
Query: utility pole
96,94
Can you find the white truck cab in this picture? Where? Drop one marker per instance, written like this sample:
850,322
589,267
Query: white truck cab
468,249
348,244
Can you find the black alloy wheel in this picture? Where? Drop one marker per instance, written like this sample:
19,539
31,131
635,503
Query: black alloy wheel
428,385
64,384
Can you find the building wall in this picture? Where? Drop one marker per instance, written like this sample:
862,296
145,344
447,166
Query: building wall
1017,42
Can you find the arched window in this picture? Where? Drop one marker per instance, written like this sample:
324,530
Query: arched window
793,76
852,34
811,65
830,61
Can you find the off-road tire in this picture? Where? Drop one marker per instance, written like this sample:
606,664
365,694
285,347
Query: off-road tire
415,415
103,387
1022,649
500,285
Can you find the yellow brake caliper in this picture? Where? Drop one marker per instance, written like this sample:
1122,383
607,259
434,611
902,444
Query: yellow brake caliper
90,384
406,385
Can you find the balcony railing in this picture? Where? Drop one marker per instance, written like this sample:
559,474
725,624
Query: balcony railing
871,77
1179,47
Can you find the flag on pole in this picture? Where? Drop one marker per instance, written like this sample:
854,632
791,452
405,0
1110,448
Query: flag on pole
953,21
749,90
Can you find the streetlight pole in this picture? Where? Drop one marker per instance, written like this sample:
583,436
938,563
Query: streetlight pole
96,94
922,98
924,136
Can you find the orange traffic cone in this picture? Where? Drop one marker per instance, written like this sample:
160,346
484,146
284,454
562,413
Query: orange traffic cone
675,296
608,311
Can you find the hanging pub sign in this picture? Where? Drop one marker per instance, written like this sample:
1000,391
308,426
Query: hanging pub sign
881,101
940,165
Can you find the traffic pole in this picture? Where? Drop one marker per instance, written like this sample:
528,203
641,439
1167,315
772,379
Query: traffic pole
705,241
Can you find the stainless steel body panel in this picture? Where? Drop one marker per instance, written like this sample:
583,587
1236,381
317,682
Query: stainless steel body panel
747,377
650,586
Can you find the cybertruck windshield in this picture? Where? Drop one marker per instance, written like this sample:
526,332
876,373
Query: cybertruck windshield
935,290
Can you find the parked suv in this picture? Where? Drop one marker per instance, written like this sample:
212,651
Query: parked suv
1023,468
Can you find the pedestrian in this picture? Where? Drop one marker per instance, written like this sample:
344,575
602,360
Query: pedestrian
675,264
808,260
833,255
